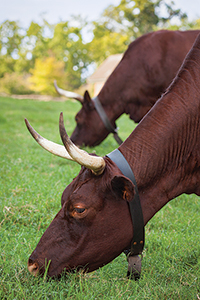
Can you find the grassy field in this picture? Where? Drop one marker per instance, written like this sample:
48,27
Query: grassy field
31,184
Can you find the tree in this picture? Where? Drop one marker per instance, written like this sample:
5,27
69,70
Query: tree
119,25
106,43
10,40
140,16
44,73
38,39
64,45
68,45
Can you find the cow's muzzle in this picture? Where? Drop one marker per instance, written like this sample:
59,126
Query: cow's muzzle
33,267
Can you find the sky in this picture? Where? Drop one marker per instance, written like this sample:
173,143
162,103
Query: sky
55,11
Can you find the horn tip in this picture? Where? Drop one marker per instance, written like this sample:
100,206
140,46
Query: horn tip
26,122
61,124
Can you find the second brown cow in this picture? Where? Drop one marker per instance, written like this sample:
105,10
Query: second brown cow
147,67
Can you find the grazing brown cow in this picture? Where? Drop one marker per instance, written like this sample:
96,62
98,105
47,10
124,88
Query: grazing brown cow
94,224
145,71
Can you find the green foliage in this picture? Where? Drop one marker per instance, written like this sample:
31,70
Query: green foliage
32,181
79,52
138,17
6,65
38,38
68,45
10,37
193,25
34,30
121,24
107,43
44,74
15,83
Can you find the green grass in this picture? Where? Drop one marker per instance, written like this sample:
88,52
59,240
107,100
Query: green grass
31,184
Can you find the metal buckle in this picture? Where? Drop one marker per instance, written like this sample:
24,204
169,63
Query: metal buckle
134,266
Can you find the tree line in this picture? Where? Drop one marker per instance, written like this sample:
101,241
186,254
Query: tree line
31,58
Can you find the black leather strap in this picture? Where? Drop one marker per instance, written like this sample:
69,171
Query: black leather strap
137,244
105,120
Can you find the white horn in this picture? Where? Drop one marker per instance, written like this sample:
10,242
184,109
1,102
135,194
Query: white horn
96,164
67,93
52,147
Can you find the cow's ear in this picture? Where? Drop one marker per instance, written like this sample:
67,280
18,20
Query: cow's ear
123,187
87,101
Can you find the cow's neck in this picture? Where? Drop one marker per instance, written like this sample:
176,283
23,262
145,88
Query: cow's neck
163,150
113,108
135,102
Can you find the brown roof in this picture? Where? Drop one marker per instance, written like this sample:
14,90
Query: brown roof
105,69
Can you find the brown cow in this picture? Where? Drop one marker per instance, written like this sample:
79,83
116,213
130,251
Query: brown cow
145,71
94,224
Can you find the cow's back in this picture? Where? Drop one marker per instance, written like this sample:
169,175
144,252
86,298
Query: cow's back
160,53
154,59
173,46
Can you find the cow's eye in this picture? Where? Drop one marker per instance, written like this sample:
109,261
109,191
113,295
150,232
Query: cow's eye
79,210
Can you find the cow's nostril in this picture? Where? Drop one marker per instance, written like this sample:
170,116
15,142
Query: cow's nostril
33,267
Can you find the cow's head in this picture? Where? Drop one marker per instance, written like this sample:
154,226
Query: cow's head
94,224
90,130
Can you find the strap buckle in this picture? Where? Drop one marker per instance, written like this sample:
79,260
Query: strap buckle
134,266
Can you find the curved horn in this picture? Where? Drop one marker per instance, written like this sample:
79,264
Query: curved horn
68,94
96,164
52,147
